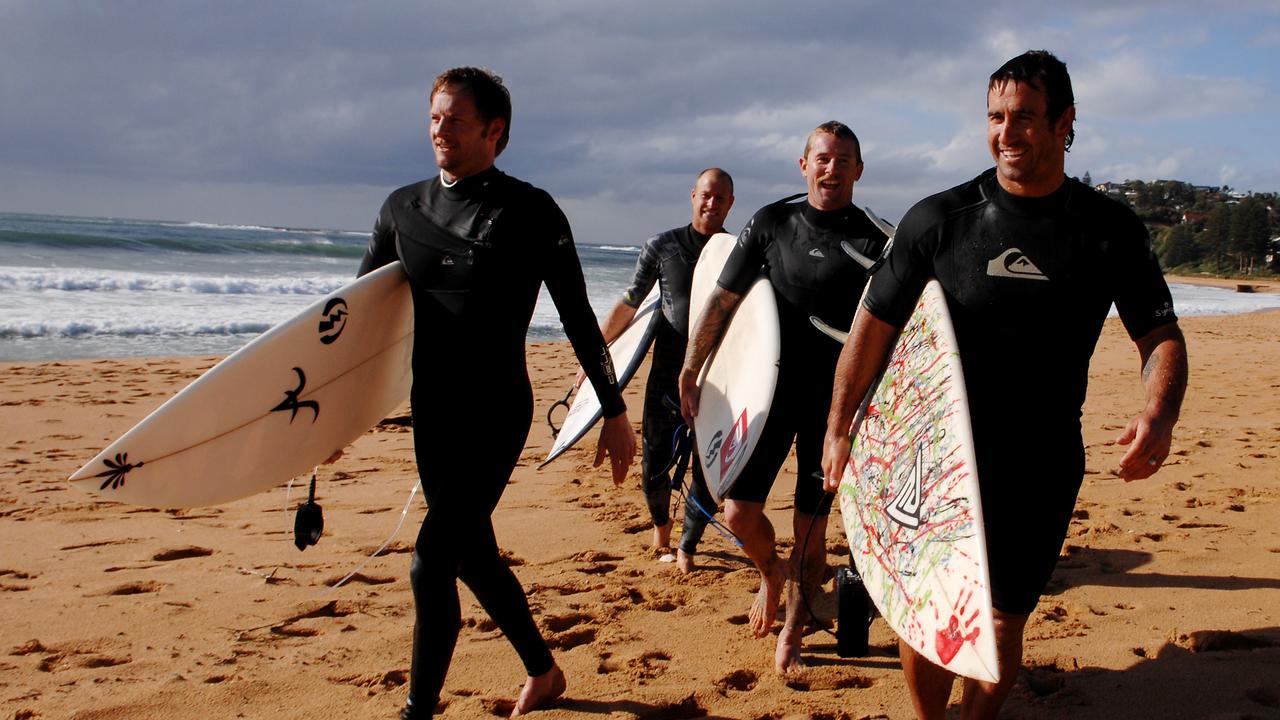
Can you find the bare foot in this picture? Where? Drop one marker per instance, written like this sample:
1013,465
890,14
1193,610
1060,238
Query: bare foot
786,659
662,536
540,691
684,562
765,608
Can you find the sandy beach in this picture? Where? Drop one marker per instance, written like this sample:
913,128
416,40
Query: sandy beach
1164,603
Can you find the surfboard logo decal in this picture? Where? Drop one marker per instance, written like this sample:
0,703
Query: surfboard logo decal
905,508
734,443
293,404
334,320
116,471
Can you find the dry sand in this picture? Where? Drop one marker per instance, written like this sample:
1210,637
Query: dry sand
1164,604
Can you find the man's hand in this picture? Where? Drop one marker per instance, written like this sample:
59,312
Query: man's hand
690,395
1148,441
618,441
1164,375
835,458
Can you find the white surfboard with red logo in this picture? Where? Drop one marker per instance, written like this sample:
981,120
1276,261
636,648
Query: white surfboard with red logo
738,378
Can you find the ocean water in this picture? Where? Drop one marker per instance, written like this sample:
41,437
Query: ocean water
77,287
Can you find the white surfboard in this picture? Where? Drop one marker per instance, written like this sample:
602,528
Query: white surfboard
910,501
739,376
627,352
273,409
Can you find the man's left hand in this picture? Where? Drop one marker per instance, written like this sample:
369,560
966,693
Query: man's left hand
618,441
1149,441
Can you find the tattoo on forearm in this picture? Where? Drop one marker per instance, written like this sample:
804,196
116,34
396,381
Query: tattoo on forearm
1150,365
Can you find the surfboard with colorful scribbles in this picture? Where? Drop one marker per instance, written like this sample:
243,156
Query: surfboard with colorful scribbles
910,500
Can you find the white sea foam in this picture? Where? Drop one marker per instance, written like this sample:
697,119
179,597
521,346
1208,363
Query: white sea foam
22,279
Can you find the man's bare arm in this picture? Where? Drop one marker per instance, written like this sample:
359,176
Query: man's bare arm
704,338
869,344
619,318
1164,376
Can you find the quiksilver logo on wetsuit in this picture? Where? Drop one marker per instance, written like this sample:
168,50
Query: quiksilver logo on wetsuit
1012,263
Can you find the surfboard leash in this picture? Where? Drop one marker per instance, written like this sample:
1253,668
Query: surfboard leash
563,402
682,452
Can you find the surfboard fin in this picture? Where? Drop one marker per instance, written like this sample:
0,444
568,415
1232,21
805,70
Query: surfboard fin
308,523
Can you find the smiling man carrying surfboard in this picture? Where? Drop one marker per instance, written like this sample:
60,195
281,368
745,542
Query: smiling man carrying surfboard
797,246
1029,262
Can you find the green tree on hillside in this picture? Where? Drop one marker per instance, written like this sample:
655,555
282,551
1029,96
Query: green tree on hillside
1177,246
1249,233
1215,240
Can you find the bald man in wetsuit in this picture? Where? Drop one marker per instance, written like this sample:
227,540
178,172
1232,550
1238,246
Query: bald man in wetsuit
477,245
668,259
800,247
1030,262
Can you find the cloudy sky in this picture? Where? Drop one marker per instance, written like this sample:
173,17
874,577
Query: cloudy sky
306,113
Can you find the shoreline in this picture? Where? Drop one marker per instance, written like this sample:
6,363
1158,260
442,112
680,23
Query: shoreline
1265,285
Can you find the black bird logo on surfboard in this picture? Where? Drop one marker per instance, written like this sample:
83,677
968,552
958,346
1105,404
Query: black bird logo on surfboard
293,404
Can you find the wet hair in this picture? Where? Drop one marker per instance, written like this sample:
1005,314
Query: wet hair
1043,71
840,131
716,172
492,100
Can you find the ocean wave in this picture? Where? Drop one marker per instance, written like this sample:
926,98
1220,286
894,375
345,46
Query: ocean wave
332,245
41,280
618,248
81,329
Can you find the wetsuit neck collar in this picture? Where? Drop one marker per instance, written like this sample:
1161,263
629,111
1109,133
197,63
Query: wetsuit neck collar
1023,205
828,219
698,237
463,187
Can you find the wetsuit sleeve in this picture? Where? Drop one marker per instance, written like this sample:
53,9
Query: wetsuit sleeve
568,289
746,260
382,243
896,286
646,274
1138,287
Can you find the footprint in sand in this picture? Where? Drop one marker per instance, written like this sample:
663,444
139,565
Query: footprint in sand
666,603
812,679
136,588
181,553
740,680
648,665
388,680
569,630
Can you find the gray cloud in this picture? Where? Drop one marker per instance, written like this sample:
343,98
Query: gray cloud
253,108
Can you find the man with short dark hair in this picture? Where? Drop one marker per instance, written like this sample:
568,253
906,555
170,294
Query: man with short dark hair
668,259
799,247
477,245
1030,262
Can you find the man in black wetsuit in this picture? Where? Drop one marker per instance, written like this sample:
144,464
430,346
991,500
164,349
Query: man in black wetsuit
798,246
477,245
668,259
1030,262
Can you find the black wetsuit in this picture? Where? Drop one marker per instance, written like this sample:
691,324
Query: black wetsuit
1029,282
798,247
476,254
669,259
